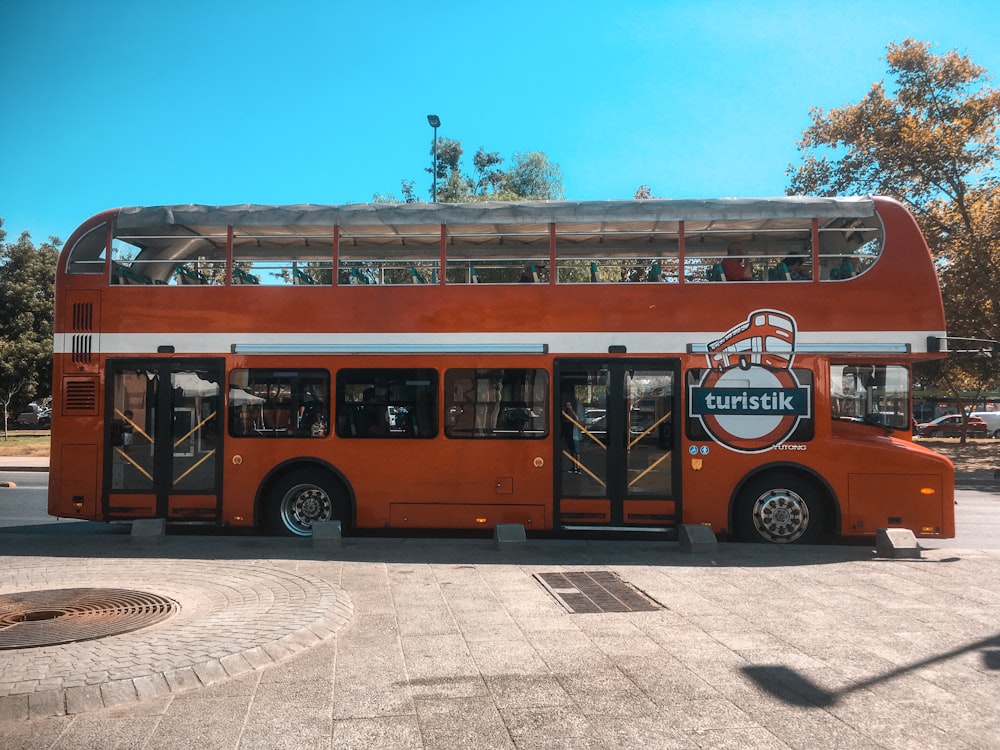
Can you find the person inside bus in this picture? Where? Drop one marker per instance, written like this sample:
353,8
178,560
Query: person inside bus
796,266
371,419
128,437
734,265
311,418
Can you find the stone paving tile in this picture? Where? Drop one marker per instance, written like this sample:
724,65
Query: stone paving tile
452,644
230,615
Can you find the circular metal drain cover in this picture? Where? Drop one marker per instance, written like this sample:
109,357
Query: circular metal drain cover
47,618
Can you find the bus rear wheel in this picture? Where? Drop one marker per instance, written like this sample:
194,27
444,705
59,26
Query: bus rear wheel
302,498
781,508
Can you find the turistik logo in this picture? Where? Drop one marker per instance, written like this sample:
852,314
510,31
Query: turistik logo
749,399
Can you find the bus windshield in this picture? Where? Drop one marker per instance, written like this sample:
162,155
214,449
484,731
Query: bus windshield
873,394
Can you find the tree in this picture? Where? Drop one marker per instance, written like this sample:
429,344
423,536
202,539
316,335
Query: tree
531,176
27,279
932,141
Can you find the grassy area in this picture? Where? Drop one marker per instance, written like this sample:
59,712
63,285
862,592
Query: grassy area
24,442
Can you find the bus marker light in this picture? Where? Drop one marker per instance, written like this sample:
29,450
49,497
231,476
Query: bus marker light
480,519
539,462
927,490
930,530
237,460
237,518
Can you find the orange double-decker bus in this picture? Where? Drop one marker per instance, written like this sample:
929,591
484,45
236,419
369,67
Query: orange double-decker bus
575,367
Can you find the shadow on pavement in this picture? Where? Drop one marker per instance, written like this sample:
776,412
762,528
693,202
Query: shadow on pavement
787,685
81,539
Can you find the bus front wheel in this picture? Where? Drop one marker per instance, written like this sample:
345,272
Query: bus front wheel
300,499
780,508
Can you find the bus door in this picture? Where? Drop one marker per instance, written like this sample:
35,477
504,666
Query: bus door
615,463
163,439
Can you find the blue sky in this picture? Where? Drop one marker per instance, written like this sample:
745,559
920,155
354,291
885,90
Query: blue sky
110,103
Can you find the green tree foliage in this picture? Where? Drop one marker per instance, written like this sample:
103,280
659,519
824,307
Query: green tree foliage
530,176
27,279
930,139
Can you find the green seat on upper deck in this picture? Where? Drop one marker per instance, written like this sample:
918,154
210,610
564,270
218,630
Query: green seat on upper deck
301,277
779,273
242,277
128,277
190,275
844,271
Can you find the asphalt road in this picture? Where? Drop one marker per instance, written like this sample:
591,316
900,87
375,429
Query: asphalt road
23,511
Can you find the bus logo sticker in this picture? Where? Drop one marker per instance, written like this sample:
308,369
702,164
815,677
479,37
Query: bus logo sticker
749,399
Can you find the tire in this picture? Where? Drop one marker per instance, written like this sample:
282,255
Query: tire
780,508
302,498
996,434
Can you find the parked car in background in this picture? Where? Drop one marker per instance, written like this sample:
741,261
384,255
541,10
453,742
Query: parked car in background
992,419
34,416
950,425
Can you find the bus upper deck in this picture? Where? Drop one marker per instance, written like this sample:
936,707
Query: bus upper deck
619,266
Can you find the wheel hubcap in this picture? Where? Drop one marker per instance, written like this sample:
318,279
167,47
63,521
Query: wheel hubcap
781,516
304,505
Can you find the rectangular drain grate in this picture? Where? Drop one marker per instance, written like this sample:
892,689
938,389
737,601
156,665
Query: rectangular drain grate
595,591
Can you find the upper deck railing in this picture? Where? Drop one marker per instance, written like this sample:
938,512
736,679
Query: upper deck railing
605,242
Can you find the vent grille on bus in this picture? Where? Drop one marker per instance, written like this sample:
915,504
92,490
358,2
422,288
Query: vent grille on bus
83,316
80,397
82,348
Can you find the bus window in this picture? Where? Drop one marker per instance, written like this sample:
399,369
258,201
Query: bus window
873,394
279,403
709,243
387,403
589,253
87,254
374,254
518,253
507,403
849,247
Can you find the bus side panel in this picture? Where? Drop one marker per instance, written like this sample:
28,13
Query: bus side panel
708,482
911,501
241,478
73,483
465,516
388,475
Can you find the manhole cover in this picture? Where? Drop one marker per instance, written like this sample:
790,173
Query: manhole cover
47,618
596,591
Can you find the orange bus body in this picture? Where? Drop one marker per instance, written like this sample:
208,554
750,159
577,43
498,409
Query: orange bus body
620,389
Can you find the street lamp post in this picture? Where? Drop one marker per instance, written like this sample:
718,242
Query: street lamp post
435,122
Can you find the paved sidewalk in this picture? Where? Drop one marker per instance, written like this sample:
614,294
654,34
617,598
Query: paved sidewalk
431,643
24,463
